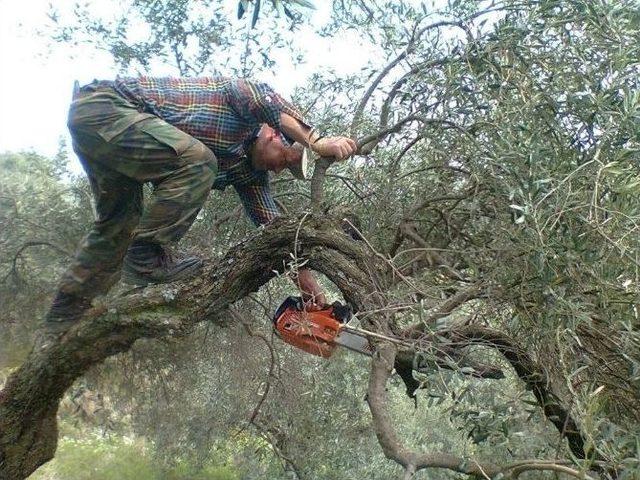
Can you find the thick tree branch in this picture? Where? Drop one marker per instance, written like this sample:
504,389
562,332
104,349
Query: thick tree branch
30,398
393,448
381,368
529,372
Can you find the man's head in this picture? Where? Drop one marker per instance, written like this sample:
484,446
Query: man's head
269,152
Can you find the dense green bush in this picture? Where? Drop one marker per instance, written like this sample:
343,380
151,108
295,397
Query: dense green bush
99,459
114,458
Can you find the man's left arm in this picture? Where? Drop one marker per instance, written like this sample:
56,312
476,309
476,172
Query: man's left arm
261,209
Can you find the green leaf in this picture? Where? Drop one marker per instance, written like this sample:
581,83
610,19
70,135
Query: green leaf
279,4
241,8
305,4
256,12
288,13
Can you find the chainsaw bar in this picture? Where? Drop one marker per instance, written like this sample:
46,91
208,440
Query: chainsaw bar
353,340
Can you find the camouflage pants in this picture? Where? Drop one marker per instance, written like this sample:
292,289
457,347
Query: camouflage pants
121,149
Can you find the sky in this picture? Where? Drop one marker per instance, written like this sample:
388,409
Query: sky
36,82
35,85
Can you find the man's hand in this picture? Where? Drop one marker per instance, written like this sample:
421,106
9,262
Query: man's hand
312,294
336,147
331,147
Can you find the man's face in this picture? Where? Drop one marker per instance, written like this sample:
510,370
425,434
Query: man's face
268,151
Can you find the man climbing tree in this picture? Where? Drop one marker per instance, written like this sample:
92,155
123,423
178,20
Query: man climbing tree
176,133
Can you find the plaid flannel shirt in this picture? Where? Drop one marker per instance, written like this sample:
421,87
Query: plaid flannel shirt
225,114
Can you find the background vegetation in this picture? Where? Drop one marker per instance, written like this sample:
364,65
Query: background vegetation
502,158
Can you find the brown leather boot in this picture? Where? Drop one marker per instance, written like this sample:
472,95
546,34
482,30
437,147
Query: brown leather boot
65,310
147,263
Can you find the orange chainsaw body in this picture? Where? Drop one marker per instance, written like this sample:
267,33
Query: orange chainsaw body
312,331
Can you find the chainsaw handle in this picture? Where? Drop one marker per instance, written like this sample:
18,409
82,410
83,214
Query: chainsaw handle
342,313
289,302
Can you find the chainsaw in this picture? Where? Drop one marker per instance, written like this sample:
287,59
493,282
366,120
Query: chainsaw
320,332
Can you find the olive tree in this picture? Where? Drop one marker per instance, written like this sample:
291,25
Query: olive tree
487,226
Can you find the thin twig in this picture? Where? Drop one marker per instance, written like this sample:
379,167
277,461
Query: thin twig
270,374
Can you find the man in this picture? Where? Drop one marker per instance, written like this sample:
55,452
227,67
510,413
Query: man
185,136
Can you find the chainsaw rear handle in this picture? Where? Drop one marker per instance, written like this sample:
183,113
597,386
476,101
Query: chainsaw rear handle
342,313
290,302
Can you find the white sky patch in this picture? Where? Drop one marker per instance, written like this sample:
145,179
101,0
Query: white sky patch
36,85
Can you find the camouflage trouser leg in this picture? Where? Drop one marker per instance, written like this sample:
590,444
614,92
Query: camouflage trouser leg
120,149
118,204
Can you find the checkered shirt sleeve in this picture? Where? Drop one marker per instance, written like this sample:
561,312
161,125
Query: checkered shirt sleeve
258,203
257,101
